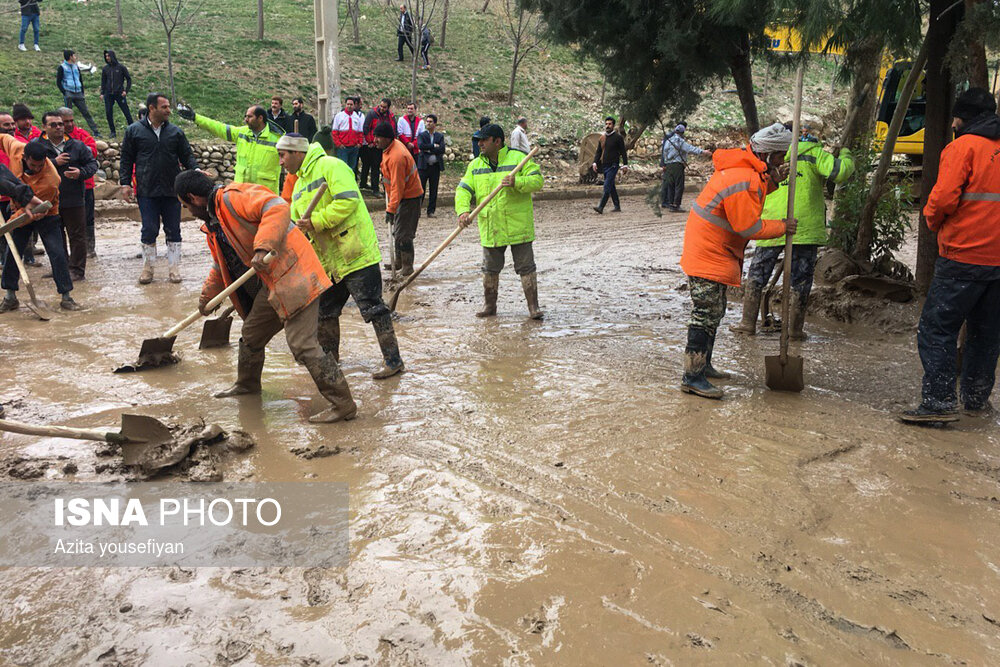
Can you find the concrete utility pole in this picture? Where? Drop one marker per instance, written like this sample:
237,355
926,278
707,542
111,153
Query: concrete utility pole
327,60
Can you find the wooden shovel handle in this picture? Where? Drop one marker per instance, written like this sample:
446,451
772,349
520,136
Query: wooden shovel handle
13,249
24,218
792,173
59,431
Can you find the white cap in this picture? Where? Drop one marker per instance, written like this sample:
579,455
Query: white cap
292,142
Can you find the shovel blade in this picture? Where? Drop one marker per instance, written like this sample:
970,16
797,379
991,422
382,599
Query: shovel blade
784,376
143,434
39,308
216,332
155,352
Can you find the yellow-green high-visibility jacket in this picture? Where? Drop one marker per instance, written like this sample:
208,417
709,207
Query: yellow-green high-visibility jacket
509,218
345,238
815,168
256,155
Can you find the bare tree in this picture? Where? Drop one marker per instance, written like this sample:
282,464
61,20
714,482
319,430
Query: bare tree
485,5
354,12
524,32
118,12
171,14
260,20
444,23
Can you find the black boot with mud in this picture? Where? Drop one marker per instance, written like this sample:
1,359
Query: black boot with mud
248,371
392,363
406,263
797,317
710,371
694,380
332,384
925,416
529,284
328,335
491,288
751,306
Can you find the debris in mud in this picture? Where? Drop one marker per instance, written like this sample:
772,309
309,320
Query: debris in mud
125,608
322,451
698,641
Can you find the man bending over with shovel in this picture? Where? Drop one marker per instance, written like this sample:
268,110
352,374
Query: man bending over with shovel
724,218
243,224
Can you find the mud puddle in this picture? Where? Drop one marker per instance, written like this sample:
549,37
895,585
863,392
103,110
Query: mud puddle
532,493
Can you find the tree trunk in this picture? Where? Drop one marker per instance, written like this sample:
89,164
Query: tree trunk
118,12
939,91
866,55
260,20
170,67
743,76
354,11
485,5
866,225
513,73
444,24
979,72
604,89
415,40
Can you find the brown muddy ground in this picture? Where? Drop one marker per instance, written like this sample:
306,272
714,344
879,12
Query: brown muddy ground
533,493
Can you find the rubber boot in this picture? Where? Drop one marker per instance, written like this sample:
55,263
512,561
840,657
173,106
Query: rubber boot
392,363
328,334
491,287
388,265
248,370
148,260
797,316
174,260
529,283
332,385
751,306
710,372
694,381
91,243
406,262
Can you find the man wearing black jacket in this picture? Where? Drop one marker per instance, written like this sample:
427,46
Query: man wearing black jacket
156,149
611,153
430,160
307,124
404,33
116,83
75,163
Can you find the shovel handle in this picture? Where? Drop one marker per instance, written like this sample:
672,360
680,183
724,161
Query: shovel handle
13,248
793,169
61,432
24,218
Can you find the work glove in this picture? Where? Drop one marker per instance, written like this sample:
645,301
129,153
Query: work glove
390,218
186,112
202,305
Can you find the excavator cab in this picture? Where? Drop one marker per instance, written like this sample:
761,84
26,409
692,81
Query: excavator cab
911,135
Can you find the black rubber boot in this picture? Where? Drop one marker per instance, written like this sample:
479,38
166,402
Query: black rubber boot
710,372
491,288
406,262
695,361
529,283
248,369
751,306
797,316
328,334
9,303
332,384
392,363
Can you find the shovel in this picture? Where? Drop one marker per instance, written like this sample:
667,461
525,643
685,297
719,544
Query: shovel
394,297
136,430
784,371
215,333
38,307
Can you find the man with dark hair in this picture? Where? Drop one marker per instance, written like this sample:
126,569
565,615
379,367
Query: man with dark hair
24,129
81,135
347,134
157,150
430,160
70,84
404,33
519,136
673,161
408,127
300,121
256,155
371,156
116,83
29,16
964,210
276,114
483,122
75,164
611,153
243,224
403,193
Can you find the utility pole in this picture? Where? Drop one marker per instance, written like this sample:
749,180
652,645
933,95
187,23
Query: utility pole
327,60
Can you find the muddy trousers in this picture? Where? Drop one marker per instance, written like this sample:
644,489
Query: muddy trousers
960,293
50,230
708,308
263,324
365,287
803,267
91,238
672,188
522,254
404,224
371,163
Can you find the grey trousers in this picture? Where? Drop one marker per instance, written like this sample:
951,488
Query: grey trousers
524,259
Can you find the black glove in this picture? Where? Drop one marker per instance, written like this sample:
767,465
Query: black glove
185,112
390,217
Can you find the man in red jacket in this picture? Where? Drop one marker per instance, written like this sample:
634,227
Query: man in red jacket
964,210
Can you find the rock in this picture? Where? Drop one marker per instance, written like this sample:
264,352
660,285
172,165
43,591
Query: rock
835,265
205,154
110,153
212,173
879,287
101,145
125,608
216,155
109,189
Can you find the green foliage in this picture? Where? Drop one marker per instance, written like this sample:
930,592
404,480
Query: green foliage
892,215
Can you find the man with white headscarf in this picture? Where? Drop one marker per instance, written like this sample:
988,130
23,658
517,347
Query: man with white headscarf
723,219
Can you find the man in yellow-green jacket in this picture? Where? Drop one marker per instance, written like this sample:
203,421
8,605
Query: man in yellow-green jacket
816,167
507,220
256,151
343,235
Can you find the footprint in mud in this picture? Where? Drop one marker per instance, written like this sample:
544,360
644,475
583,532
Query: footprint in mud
316,593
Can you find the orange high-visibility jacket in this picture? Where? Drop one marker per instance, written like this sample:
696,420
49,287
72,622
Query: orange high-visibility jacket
726,216
254,218
964,206
45,184
399,176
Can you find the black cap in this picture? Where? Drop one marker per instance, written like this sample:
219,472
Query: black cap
385,131
491,130
20,111
974,102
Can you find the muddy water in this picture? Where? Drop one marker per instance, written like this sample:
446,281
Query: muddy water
534,493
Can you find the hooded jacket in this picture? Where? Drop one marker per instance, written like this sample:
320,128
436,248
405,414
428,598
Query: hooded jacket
726,216
964,206
115,78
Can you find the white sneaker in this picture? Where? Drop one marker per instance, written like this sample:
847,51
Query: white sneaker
36,48
20,47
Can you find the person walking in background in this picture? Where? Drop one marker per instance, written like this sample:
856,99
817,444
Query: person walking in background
483,122
84,137
347,133
157,149
29,16
305,122
70,84
430,160
426,39
673,160
116,83
404,33
276,114
519,136
371,155
611,153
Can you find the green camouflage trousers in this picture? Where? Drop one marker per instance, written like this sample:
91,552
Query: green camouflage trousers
709,299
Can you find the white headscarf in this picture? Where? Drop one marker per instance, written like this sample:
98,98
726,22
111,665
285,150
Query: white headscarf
772,139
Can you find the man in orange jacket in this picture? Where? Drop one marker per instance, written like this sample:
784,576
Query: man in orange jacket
724,218
403,193
964,210
243,223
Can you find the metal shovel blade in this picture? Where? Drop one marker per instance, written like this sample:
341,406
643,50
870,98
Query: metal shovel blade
143,433
155,352
785,376
216,332
41,309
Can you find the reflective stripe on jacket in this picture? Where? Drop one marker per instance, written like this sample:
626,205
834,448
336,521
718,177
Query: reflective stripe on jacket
509,218
726,216
256,155
816,168
345,239
254,218
399,176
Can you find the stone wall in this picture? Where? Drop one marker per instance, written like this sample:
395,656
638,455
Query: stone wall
217,160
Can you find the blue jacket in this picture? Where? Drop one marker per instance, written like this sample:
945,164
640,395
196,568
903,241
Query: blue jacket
675,149
68,78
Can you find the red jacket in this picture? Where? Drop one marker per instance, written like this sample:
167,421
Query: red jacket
33,133
373,119
408,131
964,206
81,134
726,216
347,129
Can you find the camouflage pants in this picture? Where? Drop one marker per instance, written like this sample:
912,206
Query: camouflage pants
803,267
709,299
